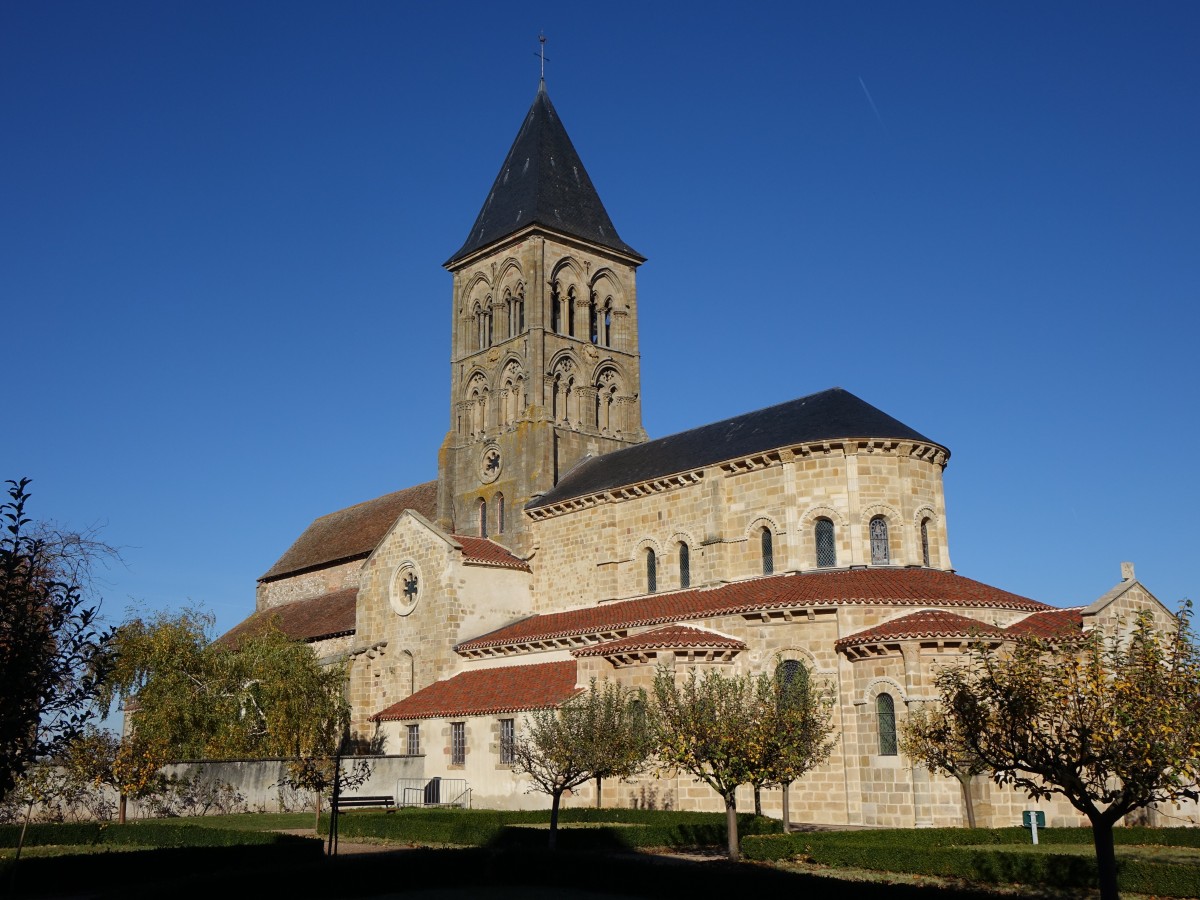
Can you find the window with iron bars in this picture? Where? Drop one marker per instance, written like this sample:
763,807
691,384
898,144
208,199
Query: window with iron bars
458,743
414,740
508,734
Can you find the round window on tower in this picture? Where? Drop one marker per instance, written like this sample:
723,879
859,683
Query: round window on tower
489,464
406,588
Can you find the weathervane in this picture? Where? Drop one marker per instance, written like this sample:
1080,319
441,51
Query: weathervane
542,53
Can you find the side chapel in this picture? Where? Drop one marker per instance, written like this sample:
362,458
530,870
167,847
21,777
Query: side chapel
558,544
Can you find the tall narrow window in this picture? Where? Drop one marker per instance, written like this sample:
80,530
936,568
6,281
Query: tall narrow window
925,542
483,532
593,322
414,740
519,313
608,323
488,324
499,514
826,549
767,547
880,554
570,312
885,713
555,310
458,743
508,734
651,571
685,565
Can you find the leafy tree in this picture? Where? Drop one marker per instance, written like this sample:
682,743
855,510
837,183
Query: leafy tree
320,774
266,696
708,726
600,733
932,738
1110,722
132,766
795,728
51,641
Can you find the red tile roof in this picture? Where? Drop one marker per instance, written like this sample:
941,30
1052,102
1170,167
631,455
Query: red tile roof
321,617
901,587
487,691
926,624
486,552
1053,623
669,638
353,532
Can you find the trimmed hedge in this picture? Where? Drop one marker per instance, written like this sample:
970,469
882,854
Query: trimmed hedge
631,828
139,834
963,853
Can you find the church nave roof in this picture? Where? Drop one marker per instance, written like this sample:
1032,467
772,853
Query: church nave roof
488,691
834,414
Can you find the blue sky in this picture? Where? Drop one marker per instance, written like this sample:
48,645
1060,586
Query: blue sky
222,228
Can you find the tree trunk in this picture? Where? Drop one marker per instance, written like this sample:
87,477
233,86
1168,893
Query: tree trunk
731,828
599,784
787,813
555,798
964,781
121,803
758,799
317,821
1106,857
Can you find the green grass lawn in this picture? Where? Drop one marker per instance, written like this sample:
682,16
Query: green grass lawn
249,821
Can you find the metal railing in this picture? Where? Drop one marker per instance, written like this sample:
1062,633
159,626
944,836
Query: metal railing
433,792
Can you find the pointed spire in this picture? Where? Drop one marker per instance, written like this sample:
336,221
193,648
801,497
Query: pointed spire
543,182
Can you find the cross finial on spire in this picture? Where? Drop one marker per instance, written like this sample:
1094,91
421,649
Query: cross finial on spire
542,55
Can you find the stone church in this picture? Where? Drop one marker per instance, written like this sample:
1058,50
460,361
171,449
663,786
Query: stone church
559,544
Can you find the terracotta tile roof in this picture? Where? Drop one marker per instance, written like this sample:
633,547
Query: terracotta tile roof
487,691
902,587
669,638
926,624
486,552
326,616
353,532
1053,623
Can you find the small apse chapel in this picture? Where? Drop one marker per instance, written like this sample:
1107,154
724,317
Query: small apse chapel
558,543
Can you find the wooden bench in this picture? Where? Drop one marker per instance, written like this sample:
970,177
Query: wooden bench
385,801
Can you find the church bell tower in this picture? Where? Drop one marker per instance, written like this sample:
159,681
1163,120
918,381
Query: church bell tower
544,362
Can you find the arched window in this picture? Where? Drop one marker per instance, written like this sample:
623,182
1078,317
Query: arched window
925,542
651,571
607,322
519,312
570,311
483,532
880,554
885,713
593,321
499,514
767,546
685,565
791,673
555,309
826,549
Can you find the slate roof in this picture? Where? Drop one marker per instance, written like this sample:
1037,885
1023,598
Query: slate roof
352,533
926,624
903,587
671,637
488,691
326,616
828,415
543,182
1053,623
486,552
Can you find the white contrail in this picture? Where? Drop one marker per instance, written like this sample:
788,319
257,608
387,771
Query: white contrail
874,108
